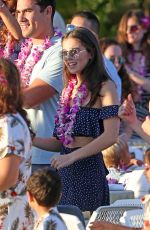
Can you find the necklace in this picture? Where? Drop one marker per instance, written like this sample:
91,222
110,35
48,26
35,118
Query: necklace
25,67
66,114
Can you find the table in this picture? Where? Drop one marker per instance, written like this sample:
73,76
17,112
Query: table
120,194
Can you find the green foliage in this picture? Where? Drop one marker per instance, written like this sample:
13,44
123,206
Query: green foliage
109,12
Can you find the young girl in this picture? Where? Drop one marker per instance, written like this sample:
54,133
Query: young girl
15,155
133,35
86,122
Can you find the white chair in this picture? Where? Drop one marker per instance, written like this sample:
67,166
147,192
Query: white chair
128,202
133,218
110,213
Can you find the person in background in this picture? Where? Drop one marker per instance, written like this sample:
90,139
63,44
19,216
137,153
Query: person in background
118,160
10,32
113,51
89,20
102,225
59,22
86,122
133,35
15,151
44,192
40,65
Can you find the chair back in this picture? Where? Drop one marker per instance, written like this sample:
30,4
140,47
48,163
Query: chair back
133,218
110,214
72,210
128,202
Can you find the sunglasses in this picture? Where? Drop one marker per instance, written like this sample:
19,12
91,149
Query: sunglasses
120,59
133,28
147,166
73,53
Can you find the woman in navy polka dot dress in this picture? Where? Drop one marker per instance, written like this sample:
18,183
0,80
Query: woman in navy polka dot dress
86,123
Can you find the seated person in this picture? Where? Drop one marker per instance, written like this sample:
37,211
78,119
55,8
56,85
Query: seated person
102,225
44,191
118,159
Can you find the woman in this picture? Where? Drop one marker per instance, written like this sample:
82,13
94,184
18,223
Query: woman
113,51
133,35
15,155
86,122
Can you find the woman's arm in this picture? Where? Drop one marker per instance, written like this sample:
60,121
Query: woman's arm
10,21
139,80
48,144
9,172
102,225
109,136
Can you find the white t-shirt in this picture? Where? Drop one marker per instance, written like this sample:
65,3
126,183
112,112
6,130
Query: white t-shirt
48,69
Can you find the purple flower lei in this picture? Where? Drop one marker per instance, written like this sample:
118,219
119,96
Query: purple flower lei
66,114
26,68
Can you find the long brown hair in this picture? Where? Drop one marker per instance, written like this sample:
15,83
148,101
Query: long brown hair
94,73
11,98
122,38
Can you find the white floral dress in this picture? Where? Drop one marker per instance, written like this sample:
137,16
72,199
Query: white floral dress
15,213
50,221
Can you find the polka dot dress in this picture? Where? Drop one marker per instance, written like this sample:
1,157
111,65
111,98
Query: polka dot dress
84,182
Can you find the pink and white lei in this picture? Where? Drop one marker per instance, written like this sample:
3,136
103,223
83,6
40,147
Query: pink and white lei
66,113
25,67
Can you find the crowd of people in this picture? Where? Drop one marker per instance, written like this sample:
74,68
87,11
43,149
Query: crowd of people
62,96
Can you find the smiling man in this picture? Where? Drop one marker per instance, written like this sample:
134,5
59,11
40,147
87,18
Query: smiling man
40,66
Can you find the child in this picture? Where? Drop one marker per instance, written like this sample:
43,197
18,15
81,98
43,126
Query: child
44,191
100,225
118,159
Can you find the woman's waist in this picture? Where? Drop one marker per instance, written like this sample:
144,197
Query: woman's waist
79,142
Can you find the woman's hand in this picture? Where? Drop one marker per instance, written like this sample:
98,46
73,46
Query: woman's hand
62,161
127,110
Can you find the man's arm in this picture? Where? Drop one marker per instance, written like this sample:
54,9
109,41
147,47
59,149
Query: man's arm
46,81
38,92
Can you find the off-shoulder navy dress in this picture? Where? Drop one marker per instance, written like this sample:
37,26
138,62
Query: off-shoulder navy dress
84,182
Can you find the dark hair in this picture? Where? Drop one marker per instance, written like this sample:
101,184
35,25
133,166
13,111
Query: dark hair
45,3
92,18
147,156
126,82
11,99
122,38
45,186
94,73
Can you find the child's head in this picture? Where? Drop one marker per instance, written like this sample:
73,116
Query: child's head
147,163
44,188
10,89
117,154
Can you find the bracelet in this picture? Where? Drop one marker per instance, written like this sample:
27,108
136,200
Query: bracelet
2,5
